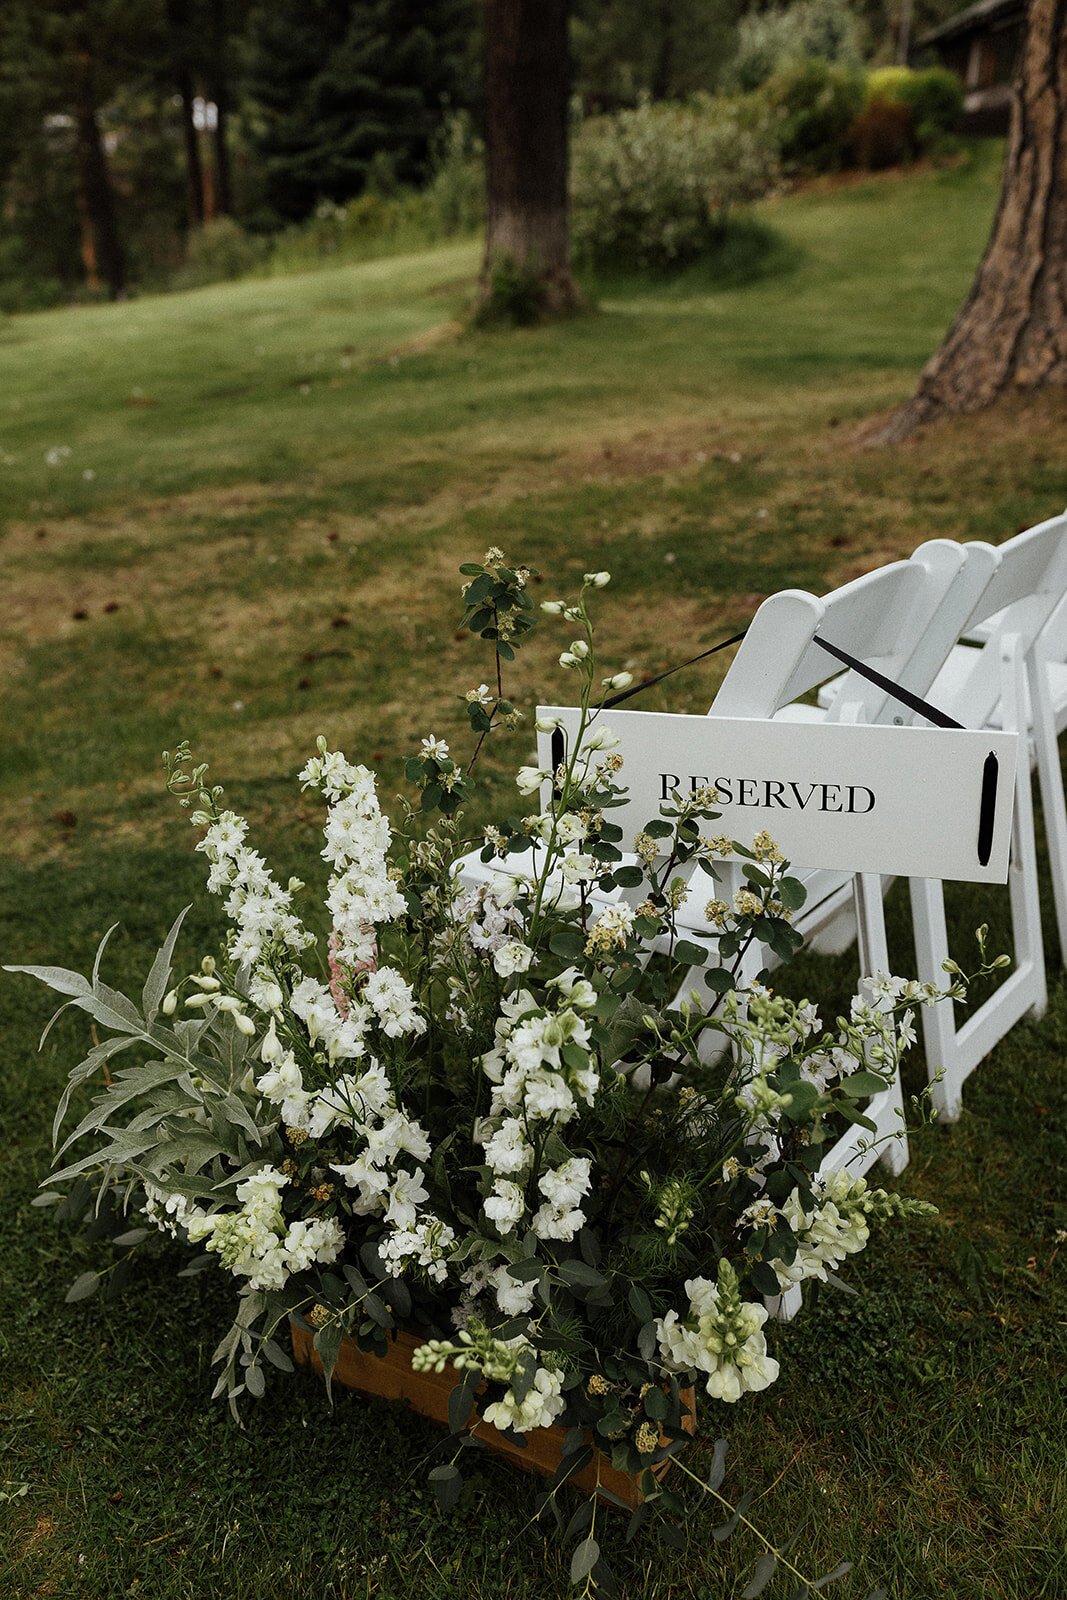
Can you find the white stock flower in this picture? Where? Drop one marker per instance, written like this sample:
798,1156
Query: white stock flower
505,1206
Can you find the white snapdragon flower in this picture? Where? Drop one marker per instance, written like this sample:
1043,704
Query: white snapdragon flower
281,1080
529,779
836,1228
539,1409
721,1335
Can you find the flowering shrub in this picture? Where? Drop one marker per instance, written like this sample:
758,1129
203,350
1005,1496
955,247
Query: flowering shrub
653,186
479,1107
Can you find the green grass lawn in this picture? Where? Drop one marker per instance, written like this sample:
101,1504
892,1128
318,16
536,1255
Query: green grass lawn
235,516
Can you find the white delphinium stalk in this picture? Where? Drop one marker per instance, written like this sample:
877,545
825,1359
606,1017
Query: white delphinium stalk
564,1189
720,1335
392,1000
361,893
255,902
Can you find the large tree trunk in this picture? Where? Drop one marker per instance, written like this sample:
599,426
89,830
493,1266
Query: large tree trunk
101,246
1012,330
527,83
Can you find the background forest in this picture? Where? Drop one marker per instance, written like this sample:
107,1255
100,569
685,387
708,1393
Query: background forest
151,144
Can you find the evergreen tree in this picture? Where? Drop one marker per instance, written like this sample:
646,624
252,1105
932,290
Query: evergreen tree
347,90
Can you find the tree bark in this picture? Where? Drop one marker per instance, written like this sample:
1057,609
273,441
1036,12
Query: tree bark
219,90
101,245
527,84
1011,332
179,28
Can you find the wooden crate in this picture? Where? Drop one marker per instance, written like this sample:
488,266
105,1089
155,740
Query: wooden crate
392,1377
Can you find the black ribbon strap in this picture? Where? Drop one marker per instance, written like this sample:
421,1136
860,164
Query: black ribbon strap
638,688
913,702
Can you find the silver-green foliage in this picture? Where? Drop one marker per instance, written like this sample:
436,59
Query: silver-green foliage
654,186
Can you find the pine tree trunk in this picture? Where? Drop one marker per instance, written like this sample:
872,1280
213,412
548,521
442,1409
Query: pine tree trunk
178,25
527,84
1012,330
96,196
220,93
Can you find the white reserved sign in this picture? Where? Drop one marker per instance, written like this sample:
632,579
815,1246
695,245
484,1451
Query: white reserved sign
911,802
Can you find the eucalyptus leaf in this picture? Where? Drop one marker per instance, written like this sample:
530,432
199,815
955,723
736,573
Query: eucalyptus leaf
447,1486
766,1567
584,1560
839,1571
82,1287
255,1382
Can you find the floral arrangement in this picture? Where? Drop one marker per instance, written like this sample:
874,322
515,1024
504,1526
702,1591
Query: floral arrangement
516,1097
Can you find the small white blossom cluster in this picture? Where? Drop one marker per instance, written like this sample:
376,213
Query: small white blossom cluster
255,1243
425,1246
720,1335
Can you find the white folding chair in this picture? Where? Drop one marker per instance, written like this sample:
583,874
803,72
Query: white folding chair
1005,682
902,621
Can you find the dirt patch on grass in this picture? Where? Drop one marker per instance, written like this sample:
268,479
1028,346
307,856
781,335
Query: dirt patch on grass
1035,421
682,447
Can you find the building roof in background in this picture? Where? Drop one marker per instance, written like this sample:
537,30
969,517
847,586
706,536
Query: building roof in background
987,13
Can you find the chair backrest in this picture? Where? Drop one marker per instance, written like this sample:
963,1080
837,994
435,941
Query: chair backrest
1024,597
902,620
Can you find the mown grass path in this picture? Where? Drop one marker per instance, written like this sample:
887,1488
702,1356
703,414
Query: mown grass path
236,516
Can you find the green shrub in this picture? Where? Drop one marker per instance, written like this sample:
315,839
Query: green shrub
933,97
653,187
217,252
455,194
768,41
882,135
884,83
816,104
